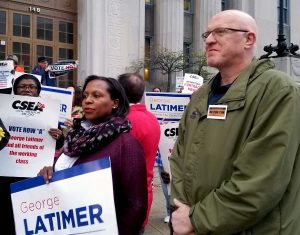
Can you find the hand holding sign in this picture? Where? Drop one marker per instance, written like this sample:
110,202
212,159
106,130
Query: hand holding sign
47,173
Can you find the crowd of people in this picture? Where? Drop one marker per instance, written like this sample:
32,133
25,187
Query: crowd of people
234,167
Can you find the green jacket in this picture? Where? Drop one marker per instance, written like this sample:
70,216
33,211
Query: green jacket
241,175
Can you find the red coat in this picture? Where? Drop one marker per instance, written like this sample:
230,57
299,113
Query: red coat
146,129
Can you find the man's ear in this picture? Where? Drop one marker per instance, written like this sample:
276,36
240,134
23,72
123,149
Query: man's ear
250,40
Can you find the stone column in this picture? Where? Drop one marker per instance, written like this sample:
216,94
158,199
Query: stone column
168,30
289,65
111,36
204,10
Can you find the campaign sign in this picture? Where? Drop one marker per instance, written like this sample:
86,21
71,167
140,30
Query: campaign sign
65,97
168,136
179,84
166,106
191,83
6,77
78,200
27,121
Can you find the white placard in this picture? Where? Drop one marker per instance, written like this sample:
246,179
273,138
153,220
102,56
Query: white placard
168,136
6,77
64,96
191,83
166,106
30,147
78,200
179,84
18,74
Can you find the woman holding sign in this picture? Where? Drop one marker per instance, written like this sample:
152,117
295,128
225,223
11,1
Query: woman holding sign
24,85
104,131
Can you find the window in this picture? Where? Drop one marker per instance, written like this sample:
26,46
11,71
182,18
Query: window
226,5
188,6
2,22
65,54
21,25
45,51
147,73
22,50
65,32
149,2
44,29
2,52
187,51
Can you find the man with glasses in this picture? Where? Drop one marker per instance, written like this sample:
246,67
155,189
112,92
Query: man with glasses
42,70
235,166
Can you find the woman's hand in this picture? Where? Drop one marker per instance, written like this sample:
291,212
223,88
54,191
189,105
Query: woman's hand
55,133
47,173
68,123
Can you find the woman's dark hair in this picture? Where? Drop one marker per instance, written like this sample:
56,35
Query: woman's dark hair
116,92
26,76
77,96
156,88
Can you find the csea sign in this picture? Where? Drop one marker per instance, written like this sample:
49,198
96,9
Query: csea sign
166,106
78,200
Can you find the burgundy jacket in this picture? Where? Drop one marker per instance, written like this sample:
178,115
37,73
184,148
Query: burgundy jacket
129,181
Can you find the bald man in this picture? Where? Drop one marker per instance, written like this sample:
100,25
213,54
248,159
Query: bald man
235,166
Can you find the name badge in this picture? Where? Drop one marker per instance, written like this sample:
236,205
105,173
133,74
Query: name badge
217,112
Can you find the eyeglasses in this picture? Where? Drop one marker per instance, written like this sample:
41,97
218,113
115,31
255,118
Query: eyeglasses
30,87
219,32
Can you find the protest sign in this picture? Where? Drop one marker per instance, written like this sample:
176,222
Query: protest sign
78,200
191,83
168,136
64,96
30,147
179,84
18,74
166,106
6,76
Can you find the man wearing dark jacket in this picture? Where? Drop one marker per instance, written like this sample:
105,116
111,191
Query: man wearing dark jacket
42,70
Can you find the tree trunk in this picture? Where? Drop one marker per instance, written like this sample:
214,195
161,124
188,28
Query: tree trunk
169,81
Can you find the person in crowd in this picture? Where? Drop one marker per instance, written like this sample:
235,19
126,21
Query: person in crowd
164,180
17,68
15,59
105,131
25,85
43,70
163,176
156,89
77,111
145,126
29,85
235,166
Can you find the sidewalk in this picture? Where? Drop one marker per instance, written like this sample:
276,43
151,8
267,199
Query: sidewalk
156,223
